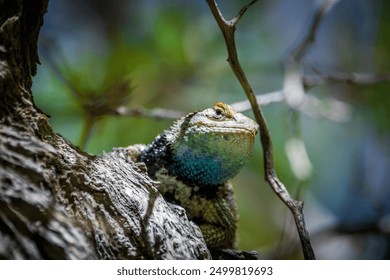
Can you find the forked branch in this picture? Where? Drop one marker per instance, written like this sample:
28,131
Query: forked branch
296,207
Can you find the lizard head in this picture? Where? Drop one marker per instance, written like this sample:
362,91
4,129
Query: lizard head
209,147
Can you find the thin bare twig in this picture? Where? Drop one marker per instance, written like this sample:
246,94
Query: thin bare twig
349,78
156,113
312,106
263,99
309,37
293,84
242,12
296,207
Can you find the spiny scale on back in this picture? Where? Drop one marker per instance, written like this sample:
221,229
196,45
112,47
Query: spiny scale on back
193,162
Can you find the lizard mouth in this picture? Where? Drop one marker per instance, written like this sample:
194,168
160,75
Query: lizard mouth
231,129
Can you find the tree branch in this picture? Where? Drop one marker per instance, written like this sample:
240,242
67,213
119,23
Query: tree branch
156,113
293,85
296,207
241,13
309,38
349,78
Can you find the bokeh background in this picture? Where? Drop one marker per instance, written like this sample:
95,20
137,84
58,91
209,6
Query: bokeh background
101,55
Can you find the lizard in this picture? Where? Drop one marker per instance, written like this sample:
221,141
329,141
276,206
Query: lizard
193,161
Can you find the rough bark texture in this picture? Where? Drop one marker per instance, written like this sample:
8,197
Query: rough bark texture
57,202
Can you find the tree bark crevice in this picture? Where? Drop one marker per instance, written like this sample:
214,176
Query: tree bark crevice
58,202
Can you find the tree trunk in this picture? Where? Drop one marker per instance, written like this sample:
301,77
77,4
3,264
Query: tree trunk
58,202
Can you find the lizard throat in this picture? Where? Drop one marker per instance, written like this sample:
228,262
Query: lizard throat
210,159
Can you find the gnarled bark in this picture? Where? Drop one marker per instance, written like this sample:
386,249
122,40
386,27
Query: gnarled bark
57,202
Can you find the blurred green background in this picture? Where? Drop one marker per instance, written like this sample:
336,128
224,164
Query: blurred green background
99,55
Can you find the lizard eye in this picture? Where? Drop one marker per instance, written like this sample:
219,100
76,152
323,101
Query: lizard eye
223,110
218,113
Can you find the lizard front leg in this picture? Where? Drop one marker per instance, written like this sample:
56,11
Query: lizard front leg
216,215
211,208
219,231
